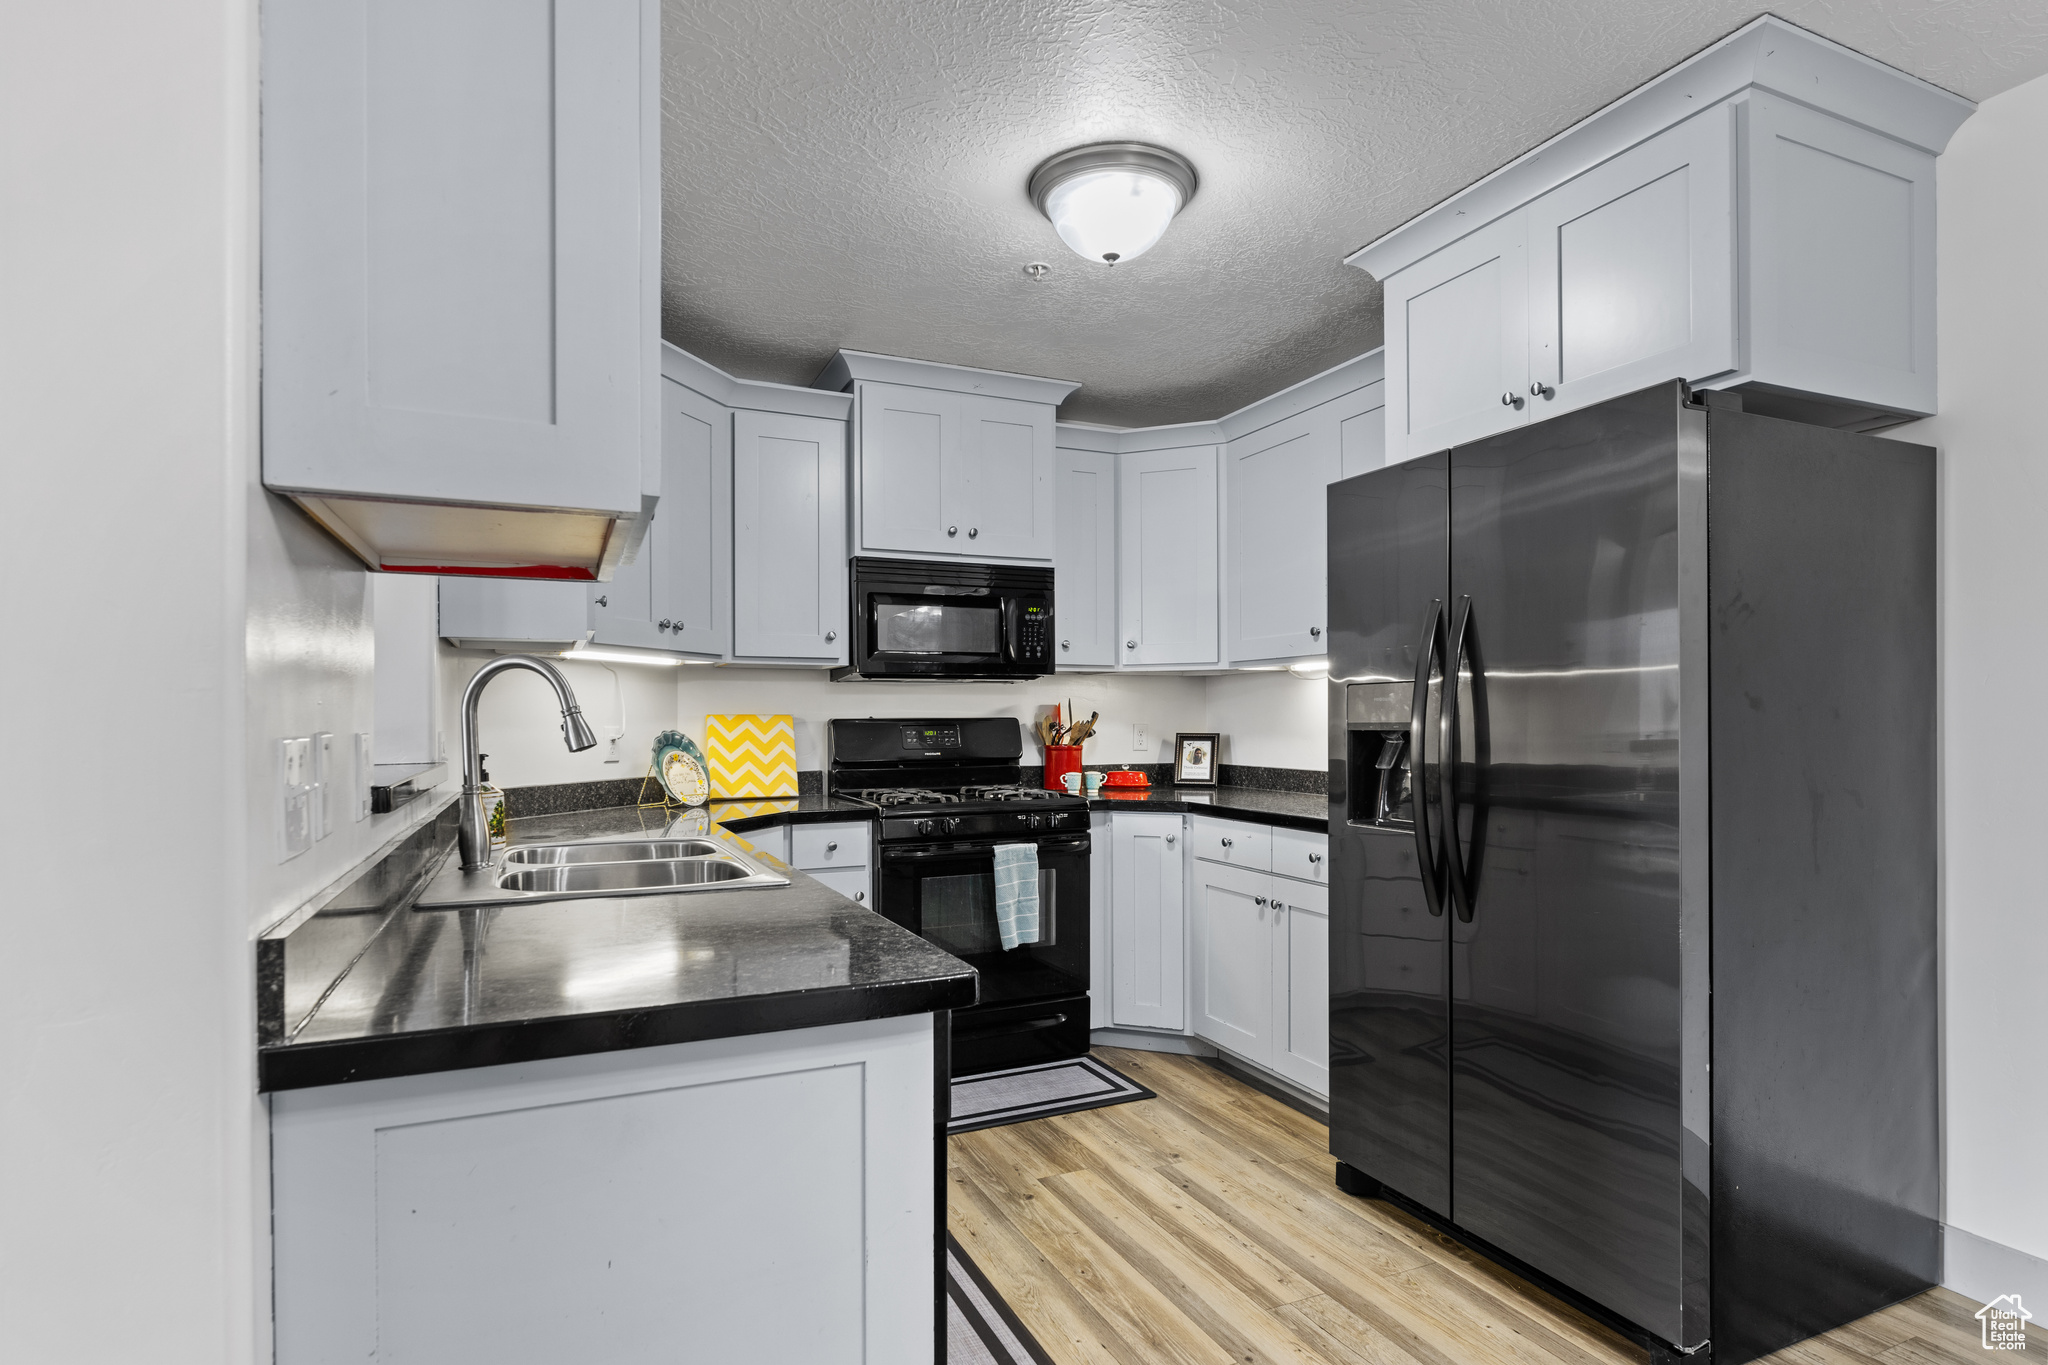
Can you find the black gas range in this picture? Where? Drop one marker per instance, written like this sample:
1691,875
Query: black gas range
947,794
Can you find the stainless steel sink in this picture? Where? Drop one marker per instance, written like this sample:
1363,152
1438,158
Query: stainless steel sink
592,879
609,851
589,868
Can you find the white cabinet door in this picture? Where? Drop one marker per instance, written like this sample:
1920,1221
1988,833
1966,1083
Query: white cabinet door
1166,556
1458,342
1841,259
910,477
1148,946
622,611
1301,983
1006,453
1362,435
461,255
1084,565
479,612
1632,270
609,1207
1233,942
789,538
691,547
1275,562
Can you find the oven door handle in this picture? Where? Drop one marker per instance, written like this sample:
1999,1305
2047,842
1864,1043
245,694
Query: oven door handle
1074,844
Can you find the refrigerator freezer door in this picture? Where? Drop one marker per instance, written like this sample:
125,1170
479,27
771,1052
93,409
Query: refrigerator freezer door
1565,950
1389,1022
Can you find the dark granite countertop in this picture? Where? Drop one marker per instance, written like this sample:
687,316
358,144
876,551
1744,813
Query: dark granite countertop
444,990
1292,810
767,812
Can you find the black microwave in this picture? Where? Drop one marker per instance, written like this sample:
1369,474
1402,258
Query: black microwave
915,618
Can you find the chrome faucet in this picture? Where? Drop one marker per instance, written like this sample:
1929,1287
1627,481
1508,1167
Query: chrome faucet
475,838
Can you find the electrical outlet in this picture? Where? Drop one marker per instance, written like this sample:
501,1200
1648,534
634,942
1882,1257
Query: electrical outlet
1138,744
611,748
294,797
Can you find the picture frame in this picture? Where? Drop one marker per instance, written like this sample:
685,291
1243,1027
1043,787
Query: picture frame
1194,760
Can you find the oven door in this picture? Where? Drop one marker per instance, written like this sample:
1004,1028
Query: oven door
946,893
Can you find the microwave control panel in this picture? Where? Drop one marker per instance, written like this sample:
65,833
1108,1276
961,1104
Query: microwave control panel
1034,627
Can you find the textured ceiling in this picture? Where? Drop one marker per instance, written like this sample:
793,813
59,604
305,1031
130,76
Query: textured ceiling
850,173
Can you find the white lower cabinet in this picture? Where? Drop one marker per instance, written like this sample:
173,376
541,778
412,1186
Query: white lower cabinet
1250,948
1301,983
1148,944
836,855
1261,970
610,1207
1233,960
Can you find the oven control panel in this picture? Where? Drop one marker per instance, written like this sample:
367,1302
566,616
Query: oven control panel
931,740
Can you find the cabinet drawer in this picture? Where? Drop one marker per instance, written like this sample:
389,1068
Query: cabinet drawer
824,846
1302,854
1228,841
850,882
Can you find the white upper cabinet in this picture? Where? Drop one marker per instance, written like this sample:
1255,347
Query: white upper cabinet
1759,219
1457,327
461,259
1275,474
1631,270
690,548
1166,557
950,461
1084,560
789,538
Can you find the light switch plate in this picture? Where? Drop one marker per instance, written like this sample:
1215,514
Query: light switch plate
362,783
294,797
326,777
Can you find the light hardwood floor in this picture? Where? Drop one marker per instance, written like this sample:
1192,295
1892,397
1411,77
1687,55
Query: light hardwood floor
1203,1228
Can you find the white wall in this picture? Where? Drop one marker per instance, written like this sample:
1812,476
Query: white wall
128,1120
1271,719
518,720
1993,198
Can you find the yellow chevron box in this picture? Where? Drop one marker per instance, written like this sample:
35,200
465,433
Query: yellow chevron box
751,756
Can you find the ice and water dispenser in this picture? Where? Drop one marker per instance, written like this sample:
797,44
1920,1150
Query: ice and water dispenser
1379,765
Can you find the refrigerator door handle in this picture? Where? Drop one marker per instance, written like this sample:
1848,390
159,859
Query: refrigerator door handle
1462,875
1418,767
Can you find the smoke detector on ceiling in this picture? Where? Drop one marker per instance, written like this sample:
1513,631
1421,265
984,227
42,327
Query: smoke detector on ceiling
1111,201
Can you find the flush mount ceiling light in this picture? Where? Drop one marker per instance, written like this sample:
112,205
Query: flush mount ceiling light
1112,200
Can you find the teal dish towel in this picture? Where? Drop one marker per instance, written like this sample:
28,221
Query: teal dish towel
1017,893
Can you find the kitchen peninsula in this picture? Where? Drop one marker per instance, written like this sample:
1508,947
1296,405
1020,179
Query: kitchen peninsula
583,1127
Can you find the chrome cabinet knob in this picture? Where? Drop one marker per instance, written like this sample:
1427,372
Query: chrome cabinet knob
973,531
1511,399
1225,842
952,530
1066,644
860,895
1130,644
1258,900
832,847
1541,390
830,636
1315,632
1169,841
1315,857
661,625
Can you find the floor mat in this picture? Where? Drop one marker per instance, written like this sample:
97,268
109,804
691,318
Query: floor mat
994,1098
980,1328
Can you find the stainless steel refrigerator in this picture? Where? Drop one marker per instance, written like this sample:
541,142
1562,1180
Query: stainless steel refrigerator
1633,856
